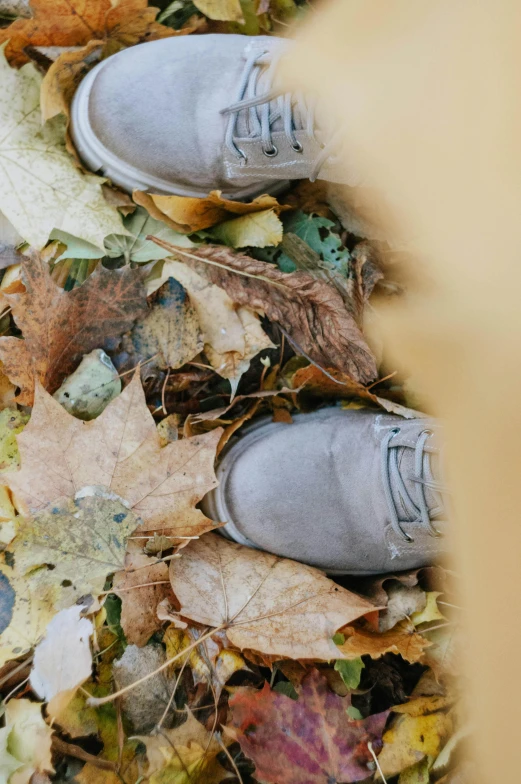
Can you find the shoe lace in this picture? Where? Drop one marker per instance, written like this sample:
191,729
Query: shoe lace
417,510
270,106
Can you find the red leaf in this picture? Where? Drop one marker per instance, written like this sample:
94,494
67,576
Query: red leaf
311,740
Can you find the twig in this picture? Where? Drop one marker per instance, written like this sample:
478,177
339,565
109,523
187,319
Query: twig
16,670
71,750
232,761
163,392
380,771
131,587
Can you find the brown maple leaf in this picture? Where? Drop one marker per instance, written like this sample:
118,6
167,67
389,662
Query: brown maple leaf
310,311
265,603
59,326
76,22
311,739
119,451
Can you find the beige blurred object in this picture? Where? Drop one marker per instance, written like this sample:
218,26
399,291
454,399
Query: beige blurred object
430,97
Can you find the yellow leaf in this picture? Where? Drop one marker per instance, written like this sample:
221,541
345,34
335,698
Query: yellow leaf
12,422
258,230
221,10
42,189
188,214
24,613
411,738
29,739
430,612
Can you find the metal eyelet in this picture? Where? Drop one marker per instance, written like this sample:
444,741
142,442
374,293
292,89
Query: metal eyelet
270,152
396,430
242,156
297,146
428,431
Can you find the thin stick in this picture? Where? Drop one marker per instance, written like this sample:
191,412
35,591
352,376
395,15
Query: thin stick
380,771
163,392
18,686
132,587
381,380
232,761
71,750
16,670
95,701
170,701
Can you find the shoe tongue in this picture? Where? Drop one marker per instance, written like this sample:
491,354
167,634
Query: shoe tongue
406,466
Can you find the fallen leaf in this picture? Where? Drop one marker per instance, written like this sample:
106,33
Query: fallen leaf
25,612
76,22
88,391
62,660
120,451
350,671
134,246
138,604
8,763
312,312
83,540
185,754
59,326
64,76
12,422
310,740
258,230
187,214
265,603
221,10
42,188
402,639
417,774
430,612
170,332
411,738
209,662
29,739
232,335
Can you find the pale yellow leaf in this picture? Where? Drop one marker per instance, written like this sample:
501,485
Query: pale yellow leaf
258,230
42,189
221,10
29,739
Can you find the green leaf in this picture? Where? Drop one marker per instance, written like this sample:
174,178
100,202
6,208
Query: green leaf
133,247
354,713
287,688
338,638
321,237
350,671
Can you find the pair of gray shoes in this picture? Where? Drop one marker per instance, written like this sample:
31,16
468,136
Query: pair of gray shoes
348,491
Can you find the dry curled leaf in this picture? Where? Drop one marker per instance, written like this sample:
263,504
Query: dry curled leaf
76,22
309,310
310,740
60,326
119,451
402,639
188,214
265,603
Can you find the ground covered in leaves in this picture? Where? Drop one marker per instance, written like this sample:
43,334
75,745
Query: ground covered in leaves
137,336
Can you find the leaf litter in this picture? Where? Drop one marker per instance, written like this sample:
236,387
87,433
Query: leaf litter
138,340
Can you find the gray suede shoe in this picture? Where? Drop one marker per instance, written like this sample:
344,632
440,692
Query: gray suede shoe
352,492
191,114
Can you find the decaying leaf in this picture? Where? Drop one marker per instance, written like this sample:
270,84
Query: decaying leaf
402,639
311,739
59,326
76,22
120,451
28,739
170,332
312,312
62,660
232,335
88,391
25,611
83,540
139,620
186,214
64,76
265,603
185,754
42,189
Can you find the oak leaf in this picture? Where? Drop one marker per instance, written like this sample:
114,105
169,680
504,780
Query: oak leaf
77,22
311,739
42,189
309,310
188,214
60,326
119,451
265,603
